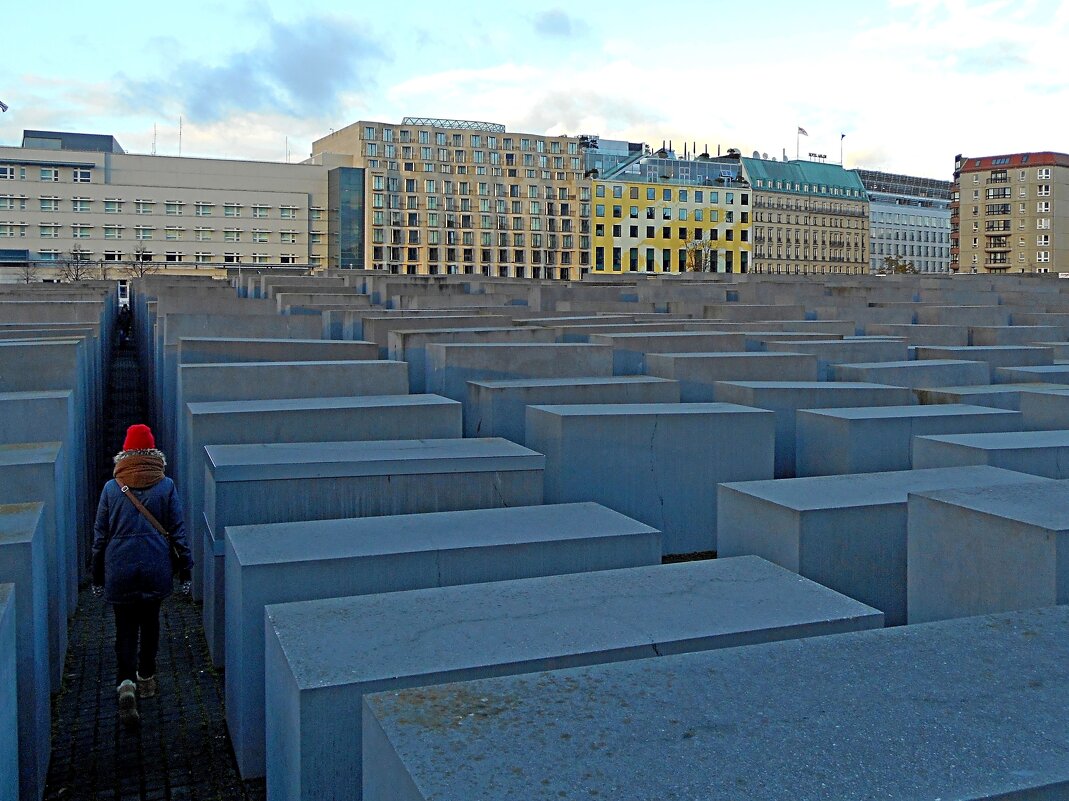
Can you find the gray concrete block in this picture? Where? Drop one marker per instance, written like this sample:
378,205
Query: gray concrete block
22,564
1012,334
203,350
800,722
964,315
845,351
654,462
995,355
324,656
1039,453
629,349
916,374
872,439
785,398
846,532
1000,396
32,473
9,723
1045,408
951,335
278,483
499,408
450,367
286,562
1042,374
698,373
981,550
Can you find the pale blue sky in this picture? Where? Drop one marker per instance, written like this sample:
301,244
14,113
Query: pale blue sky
911,82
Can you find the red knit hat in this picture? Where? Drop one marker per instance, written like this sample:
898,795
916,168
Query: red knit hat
139,438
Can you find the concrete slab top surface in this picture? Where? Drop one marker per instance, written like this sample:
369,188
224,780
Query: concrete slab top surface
508,622
374,457
911,364
901,412
42,394
369,536
624,337
18,521
1044,505
29,453
265,365
350,402
732,354
645,409
1006,440
520,383
987,389
874,489
964,709
795,385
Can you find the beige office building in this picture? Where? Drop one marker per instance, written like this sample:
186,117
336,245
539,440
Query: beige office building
80,197
1010,213
446,196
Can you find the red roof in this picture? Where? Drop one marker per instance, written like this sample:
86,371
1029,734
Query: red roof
1044,159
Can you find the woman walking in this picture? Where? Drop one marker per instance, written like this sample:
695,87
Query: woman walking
139,543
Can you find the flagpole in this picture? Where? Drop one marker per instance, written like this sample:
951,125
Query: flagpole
797,140
841,138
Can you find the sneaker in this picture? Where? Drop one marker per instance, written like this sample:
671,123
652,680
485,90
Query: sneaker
128,703
146,688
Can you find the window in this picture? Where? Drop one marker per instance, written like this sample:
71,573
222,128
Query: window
1043,223
12,203
49,174
173,208
81,176
232,258
172,232
1043,207
143,206
202,257
203,209
288,212
49,231
288,237
113,231
259,236
260,211
1043,256
1043,174
231,235
231,210
143,231
203,234
79,231
7,173
50,204
113,207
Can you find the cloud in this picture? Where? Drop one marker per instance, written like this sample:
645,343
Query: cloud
301,69
558,24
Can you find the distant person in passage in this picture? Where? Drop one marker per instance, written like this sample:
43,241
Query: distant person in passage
139,543
123,324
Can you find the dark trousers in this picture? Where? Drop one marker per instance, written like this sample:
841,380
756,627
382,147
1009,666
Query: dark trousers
136,624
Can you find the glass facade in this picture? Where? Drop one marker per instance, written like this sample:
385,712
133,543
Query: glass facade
910,222
345,198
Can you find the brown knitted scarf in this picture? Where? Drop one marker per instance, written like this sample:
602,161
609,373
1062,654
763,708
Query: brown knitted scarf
139,469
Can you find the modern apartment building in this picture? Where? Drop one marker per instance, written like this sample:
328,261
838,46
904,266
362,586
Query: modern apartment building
654,212
1010,213
809,217
909,222
80,197
441,196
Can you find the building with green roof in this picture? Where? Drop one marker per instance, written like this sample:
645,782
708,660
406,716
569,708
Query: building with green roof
809,217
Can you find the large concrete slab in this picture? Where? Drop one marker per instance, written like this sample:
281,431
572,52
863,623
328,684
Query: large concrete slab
981,550
831,352
450,367
324,656
1040,453
499,408
785,398
916,374
1000,396
32,473
278,483
871,439
949,335
698,373
286,562
1045,408
22,564
995,355
1013,334
654,462
846,532
206,350
797,719
9,722
629,349
306,420
1043,374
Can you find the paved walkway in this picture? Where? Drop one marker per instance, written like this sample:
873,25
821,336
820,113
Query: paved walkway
181,751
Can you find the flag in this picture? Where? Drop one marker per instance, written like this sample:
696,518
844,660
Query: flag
3,106
803,131
842,137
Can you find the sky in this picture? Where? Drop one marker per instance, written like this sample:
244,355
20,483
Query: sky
910,82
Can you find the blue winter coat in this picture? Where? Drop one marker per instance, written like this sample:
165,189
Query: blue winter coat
130,557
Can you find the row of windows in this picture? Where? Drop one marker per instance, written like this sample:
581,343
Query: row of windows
1042,174
486,239
549,257
668,259
491,142
682,195
486,206
462,169
994,259
459,157
666,232
200,257
909,235
51,231
801,252
433,186
78,175
920,220
170,208
822,189
668,213
926,251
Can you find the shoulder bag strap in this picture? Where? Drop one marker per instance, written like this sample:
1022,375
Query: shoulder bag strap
147,514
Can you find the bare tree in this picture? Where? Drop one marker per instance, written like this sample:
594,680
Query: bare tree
892,265
142,264
701,256
76,267
104,269
28,272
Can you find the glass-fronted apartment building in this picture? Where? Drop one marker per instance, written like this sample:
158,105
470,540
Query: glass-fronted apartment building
909,222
